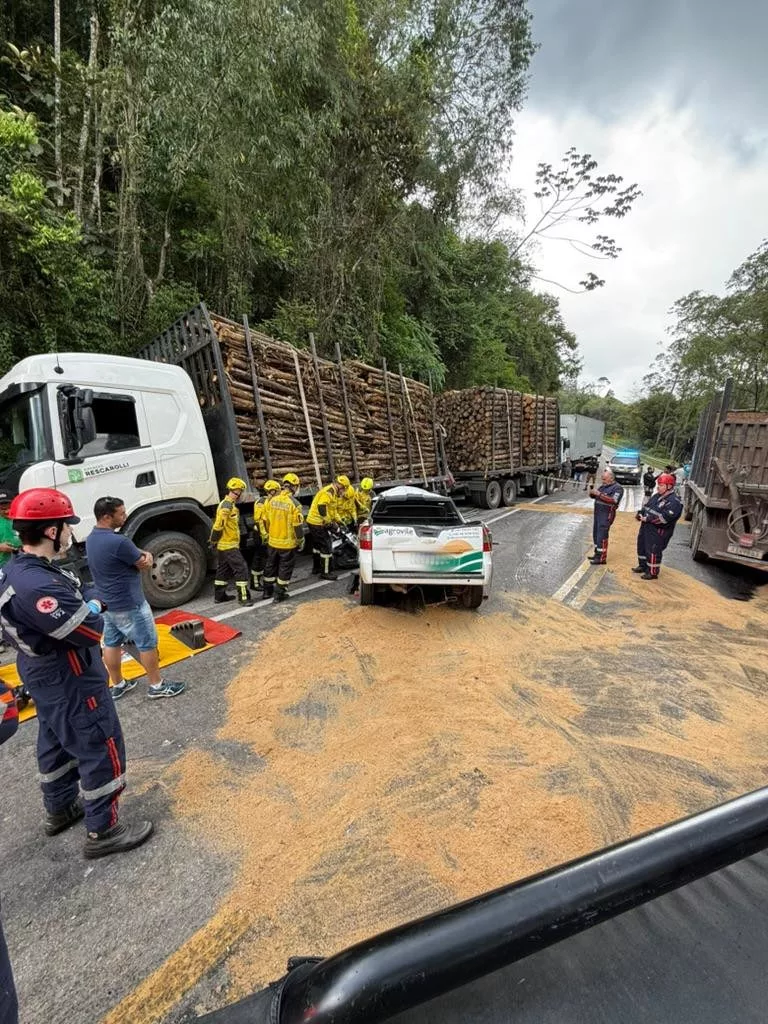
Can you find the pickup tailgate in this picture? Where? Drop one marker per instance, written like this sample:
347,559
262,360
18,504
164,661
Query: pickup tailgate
427,550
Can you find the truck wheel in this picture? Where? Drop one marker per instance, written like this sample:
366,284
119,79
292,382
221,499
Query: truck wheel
471,597
509,491
551,485
179,569
367,595
492,494
539,488
698,525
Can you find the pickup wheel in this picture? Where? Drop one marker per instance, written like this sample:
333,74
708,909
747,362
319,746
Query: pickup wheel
492,494
509,491
471,597
179,569
367,593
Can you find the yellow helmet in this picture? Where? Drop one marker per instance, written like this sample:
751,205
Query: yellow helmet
236,484
343,480
270,485
350,492
366,484
292,479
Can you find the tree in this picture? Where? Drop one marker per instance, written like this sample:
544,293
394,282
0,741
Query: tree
574,194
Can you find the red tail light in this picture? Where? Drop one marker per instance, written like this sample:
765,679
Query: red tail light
487,540
365,538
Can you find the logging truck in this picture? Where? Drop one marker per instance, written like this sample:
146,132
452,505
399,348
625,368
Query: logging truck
501,443
206,400
726,494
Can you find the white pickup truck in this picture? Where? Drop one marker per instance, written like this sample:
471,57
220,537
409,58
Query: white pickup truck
415,538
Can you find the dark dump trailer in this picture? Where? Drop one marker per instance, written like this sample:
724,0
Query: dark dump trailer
726,494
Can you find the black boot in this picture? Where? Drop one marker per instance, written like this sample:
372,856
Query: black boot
256,583
638,568
316,564
597,561
647,576
269,591
326,574
118,839
220,594
58,821
243,594
281,594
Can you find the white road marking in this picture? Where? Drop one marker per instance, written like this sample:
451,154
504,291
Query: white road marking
562,592
589,588
261,605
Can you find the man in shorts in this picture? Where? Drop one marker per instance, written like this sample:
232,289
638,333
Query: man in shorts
116,565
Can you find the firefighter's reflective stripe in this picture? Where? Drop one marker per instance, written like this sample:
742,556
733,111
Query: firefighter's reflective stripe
59,773
109,787
72,623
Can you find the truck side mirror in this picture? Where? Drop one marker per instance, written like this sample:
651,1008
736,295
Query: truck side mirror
85,420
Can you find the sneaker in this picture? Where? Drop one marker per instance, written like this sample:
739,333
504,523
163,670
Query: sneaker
119,689
164,689
117,839
58,821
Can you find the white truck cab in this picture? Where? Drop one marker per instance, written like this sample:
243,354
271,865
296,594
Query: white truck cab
93,425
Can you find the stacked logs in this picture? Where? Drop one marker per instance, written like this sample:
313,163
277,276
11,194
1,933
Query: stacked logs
390,419
491,429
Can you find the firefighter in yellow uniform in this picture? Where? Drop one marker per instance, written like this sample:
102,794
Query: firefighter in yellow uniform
225,540
284,521
364,498
268,490
321,519
346,508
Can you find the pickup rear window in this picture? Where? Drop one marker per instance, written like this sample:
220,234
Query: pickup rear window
415,511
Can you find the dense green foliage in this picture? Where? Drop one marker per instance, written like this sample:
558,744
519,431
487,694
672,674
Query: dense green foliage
317,164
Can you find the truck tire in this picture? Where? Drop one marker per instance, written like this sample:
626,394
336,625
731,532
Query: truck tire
698,525
551,484
492,496
471,597
367,593
509,491
539,486
179,570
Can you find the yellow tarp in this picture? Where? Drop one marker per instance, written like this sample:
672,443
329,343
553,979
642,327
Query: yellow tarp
171,651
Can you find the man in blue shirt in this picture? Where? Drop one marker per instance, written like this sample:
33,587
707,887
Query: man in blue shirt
607,500
116,565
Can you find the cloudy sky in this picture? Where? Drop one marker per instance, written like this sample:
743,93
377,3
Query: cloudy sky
672,94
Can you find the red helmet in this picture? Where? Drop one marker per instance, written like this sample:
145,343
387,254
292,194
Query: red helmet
42,504
667,480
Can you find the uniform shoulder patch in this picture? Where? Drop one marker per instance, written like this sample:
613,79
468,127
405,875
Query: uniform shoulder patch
47,605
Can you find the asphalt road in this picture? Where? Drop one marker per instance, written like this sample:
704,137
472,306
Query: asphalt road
84,934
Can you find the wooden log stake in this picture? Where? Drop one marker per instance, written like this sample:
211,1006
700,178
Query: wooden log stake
310,435
350,434
321,403
405,424
257,397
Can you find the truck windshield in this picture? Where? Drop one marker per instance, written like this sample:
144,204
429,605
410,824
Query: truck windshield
23,437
